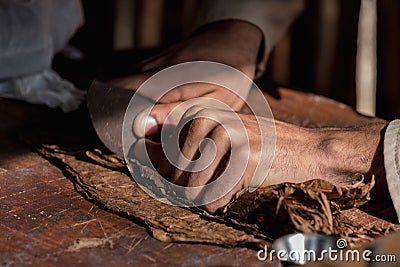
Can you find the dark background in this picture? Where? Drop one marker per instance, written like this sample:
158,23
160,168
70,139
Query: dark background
317,55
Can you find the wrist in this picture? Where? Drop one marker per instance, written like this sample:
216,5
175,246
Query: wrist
297,157
349,153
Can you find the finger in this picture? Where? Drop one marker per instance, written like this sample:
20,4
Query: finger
190,140
196,90
187,91
144,125
216,167
164,167
240,186
224,189
231,172
228,97
240,183
223,201
174,164
150,121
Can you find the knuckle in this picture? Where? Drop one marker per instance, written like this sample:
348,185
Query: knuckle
203,112
193,111
173,95
208,113
198,124
219,133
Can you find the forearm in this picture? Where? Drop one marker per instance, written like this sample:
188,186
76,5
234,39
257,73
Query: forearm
272,17
337,155
235,42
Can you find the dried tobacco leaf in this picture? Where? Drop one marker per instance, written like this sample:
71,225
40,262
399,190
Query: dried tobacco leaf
117,192
309,207
251,219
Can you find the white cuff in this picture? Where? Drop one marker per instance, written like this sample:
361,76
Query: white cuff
391,153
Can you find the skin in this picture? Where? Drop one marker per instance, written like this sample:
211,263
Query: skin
336,155
234,43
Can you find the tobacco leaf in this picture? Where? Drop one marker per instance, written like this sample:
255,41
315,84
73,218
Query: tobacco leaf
310,207
251,219
117,192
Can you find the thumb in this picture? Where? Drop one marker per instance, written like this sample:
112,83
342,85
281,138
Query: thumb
150,121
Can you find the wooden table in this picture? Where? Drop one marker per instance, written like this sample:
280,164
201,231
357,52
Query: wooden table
43,221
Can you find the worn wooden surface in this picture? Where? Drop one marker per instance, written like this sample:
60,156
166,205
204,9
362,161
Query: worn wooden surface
43,221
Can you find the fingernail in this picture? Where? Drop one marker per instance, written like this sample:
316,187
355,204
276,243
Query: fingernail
150,125
144,125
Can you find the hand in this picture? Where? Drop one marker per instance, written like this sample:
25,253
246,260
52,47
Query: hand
336,155
235,43
215,142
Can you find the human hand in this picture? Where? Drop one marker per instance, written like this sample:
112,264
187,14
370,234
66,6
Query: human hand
215,145
234,43
336,155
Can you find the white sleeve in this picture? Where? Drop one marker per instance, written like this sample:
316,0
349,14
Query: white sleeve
32,31
391,153
272,17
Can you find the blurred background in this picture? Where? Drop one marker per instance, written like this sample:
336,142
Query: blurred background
318,54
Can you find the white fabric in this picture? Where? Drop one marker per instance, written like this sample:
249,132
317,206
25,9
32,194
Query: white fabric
32,31
44,87
391,153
